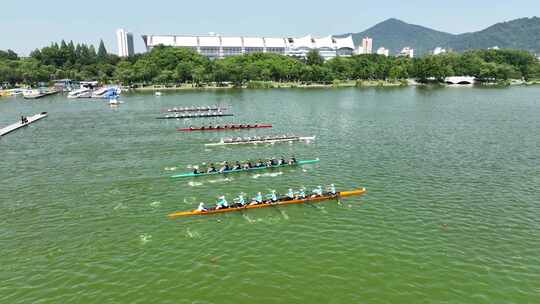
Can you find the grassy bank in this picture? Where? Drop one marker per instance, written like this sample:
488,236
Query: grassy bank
275,85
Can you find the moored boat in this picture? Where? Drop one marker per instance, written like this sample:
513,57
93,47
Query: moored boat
298,163
260,140
38,93
106,92
83,92
280,202
224,127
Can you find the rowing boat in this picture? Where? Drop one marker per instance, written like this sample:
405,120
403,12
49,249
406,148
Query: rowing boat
197,109
281,202
18,125
193,116
224,128
300,162
261,141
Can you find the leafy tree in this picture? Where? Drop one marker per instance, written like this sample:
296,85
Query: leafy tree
8,55
313,57
102,51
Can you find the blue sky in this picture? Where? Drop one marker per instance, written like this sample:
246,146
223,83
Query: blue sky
26,25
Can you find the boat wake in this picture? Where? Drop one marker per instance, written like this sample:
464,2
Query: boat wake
120,206
220,180
145,238
195,184
273,174
155,204
190,200
192,235
170,168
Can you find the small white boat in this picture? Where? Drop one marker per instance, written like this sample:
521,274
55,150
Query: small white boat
115,101
106,92
80,93
38,93
15,92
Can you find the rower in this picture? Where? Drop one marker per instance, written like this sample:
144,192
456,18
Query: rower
282,161
302,193
195,171
222,203
211,169
201,208
272,197
226,167
317,192
332,189
258,164
258,199
237,166
274,162
290,194
240,202
293,160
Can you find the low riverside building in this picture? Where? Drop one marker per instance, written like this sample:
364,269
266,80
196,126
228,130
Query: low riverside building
216,46
407,52
439,50
383,51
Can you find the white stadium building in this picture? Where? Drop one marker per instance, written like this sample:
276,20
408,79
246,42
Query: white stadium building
215,46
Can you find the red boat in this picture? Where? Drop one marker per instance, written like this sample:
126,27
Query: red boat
224,127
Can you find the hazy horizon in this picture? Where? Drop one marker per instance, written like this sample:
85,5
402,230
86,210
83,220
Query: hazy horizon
44,23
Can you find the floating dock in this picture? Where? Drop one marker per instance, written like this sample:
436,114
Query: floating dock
18,125
36,95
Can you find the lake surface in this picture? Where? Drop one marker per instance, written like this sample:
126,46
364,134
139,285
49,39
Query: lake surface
452,213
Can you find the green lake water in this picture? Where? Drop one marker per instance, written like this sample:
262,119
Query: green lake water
452,213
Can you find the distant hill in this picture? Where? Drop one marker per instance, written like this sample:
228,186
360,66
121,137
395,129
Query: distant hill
395,34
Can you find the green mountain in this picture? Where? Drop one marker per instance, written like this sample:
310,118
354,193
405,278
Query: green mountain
521,34
395,34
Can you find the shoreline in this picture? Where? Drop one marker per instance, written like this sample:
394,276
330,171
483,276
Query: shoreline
276,85
334,85
340,84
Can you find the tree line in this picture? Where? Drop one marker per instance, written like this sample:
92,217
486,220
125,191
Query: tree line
168,65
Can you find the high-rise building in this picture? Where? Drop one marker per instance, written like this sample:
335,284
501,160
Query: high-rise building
383,51
367,45
125,43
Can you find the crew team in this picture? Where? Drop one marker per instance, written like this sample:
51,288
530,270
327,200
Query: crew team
247,165
270,198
